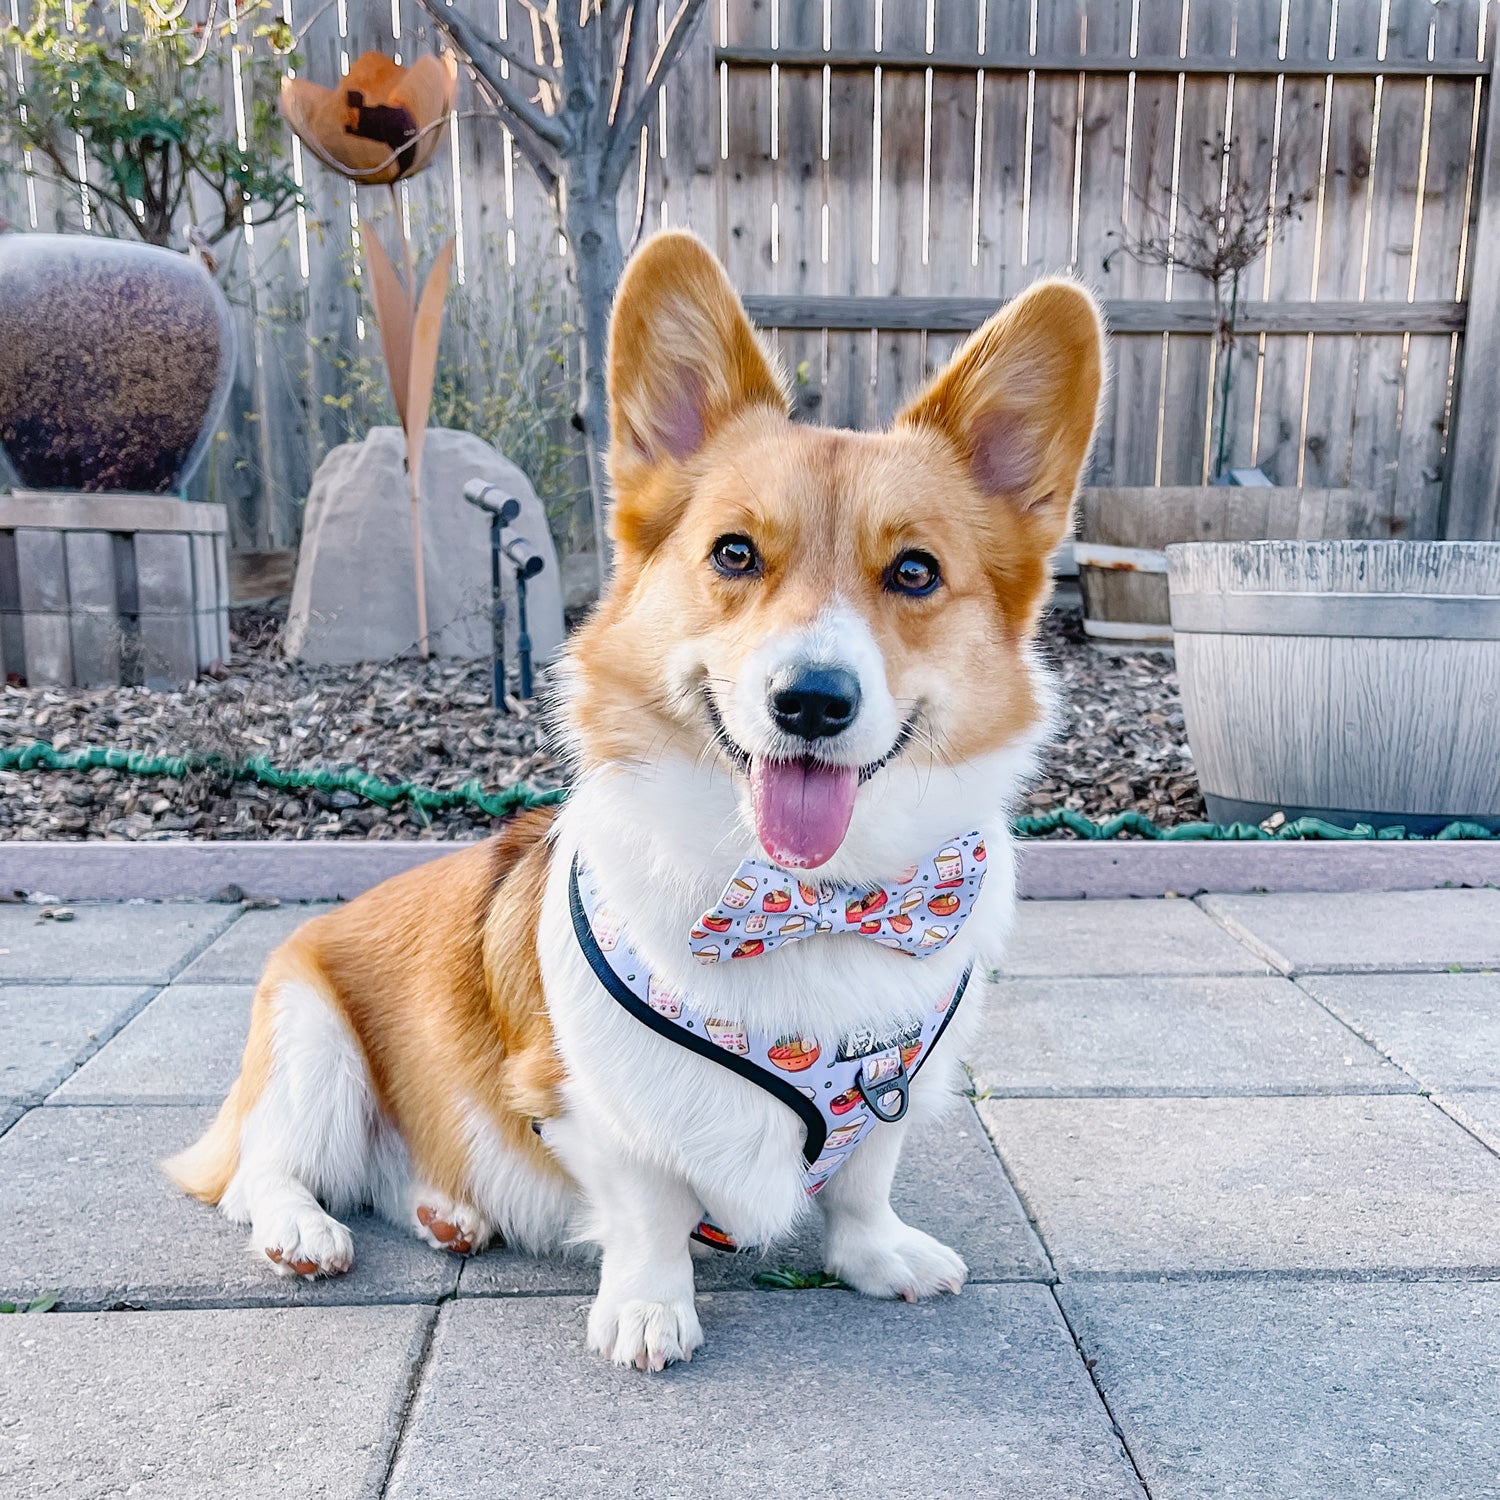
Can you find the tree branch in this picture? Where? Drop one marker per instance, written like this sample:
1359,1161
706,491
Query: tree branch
639,18
473,43
540,156
623,136
503,50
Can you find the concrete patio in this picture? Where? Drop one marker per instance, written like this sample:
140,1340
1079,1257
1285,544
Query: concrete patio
1229,1188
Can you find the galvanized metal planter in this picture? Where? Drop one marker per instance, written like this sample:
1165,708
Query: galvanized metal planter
104,589
1122,569
1355,681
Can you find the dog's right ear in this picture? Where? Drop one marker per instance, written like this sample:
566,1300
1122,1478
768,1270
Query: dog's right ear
683,360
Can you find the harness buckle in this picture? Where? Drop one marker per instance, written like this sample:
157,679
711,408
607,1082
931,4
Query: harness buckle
883,1084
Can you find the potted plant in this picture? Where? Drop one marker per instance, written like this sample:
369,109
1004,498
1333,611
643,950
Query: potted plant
1122,570
116,357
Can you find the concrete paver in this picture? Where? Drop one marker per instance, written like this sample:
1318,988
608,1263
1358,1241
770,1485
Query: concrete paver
1300,1390
89,1213
794,1394
183,1048
1282,1261
1367,931
1479,1110
1154,1034
239,955
1053,939
1442,1028
104,944
949,1184
233,1405
49,1029
1343,1184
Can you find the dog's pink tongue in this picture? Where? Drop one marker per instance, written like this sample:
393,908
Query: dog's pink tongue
802,809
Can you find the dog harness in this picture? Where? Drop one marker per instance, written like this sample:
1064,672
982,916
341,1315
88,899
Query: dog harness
840,1088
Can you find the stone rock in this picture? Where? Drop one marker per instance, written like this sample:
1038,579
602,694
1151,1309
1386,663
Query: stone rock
354,597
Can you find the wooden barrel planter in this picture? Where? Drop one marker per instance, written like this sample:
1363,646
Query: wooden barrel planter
1122,569
104,589
1357,682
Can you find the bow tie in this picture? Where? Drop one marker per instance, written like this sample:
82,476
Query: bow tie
919,912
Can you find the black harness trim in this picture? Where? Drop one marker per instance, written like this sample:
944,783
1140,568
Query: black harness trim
793,1098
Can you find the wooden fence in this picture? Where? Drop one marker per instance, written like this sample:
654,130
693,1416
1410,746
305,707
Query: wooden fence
878,175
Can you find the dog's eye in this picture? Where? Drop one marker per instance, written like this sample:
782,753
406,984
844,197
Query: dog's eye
735,557
914,573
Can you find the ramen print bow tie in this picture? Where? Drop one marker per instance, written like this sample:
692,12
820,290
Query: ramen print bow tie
919,912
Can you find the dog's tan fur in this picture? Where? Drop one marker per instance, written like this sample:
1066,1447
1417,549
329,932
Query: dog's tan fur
435,973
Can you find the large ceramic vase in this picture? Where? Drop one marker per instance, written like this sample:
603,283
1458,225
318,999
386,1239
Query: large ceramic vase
115,363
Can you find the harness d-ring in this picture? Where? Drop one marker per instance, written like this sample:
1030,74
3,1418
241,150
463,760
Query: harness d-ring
884,1085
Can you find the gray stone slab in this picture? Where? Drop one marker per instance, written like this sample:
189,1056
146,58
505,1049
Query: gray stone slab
794,1393
235,1405
950,1183
183,1048
1300,1390
90,1214
1442,1028
1053,939
1050,869
1072,870
47,1030
1168,1035
108,944
1479,1110
240,954
1340,1184
1367,931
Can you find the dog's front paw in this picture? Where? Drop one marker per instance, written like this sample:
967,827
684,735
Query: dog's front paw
897,1261
304,1241
648,1335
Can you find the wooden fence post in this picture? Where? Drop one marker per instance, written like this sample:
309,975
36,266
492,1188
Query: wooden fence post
1471,501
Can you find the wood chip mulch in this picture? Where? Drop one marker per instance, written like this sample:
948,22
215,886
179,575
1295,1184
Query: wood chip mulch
1121,745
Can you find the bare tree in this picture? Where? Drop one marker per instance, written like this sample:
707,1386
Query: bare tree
576,101
1218,238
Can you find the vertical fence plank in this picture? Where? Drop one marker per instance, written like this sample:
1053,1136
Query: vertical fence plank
1471,499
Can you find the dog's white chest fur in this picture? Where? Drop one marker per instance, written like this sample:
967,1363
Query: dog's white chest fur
661,845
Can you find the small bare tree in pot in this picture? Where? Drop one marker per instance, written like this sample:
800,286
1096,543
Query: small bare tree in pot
1218,238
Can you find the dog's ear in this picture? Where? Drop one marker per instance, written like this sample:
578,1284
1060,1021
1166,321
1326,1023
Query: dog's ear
683,360
1019,402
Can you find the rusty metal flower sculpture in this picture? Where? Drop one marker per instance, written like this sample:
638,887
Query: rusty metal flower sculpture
380,125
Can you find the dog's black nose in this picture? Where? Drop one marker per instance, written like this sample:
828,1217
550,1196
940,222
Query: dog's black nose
815,702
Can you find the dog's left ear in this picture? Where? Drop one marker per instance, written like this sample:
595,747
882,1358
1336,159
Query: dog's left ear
1019,402
684,360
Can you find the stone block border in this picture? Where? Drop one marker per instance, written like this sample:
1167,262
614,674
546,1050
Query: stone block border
1050,870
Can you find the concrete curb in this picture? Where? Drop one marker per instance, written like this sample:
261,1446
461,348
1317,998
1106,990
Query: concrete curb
1050,870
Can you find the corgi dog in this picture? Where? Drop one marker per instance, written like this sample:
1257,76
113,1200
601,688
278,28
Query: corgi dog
815,651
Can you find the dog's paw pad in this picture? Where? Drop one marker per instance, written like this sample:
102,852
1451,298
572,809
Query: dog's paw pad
459,1231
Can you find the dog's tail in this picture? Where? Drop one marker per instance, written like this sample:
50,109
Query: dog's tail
206,1168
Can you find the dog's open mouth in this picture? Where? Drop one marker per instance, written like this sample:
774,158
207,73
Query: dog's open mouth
802,805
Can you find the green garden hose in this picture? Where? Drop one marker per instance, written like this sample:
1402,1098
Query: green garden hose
40,756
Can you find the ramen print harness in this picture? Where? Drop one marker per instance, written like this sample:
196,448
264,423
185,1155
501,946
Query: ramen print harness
840,1089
